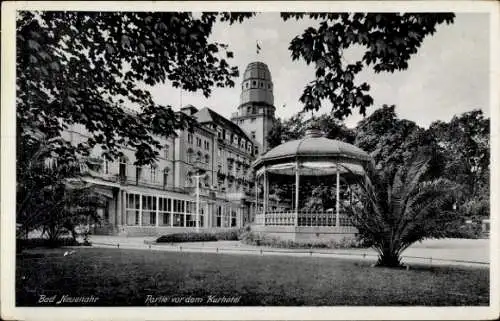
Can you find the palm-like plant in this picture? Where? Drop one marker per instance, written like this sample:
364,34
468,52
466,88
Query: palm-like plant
393,211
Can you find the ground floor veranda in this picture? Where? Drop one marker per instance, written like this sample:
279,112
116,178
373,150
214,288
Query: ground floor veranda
135,210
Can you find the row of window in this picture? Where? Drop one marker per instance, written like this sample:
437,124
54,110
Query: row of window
254,84
235,140
154,173
199,141
252,120
144,210
198,157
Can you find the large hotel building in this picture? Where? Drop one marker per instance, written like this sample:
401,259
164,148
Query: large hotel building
152,200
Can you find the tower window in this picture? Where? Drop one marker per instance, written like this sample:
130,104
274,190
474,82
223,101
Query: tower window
261,84
254,83
166,151
253,134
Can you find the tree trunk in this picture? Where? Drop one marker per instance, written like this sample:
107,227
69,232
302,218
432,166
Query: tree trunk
389,258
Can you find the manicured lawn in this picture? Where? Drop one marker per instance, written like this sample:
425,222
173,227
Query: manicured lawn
127,277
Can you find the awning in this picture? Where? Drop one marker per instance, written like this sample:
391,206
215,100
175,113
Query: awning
104,192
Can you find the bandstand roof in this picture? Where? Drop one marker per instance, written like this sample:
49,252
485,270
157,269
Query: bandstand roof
316,156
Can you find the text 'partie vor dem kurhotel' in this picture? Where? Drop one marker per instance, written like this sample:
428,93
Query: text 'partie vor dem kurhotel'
209,299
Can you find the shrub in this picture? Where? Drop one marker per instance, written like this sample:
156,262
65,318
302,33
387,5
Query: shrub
186,237
228,235
262,240
43,242
467,231
232,235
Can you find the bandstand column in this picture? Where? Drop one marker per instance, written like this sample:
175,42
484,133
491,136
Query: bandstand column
256,195
337,201
157,221
140,209
297,181
266,187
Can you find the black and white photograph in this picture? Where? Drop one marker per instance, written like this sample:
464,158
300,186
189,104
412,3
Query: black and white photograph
183,158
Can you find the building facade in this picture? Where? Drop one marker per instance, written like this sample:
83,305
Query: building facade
162,198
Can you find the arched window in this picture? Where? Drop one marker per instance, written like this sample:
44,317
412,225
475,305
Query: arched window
165,176
166,151
138,172
189,154
153,173
207,158
123,167
189,177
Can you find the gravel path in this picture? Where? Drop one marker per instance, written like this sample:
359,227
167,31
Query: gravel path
443,251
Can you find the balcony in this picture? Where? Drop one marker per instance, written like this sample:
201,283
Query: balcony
204,191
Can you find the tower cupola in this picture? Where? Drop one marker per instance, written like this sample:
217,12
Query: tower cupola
257,85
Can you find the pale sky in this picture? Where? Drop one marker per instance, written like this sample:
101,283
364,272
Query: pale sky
449,74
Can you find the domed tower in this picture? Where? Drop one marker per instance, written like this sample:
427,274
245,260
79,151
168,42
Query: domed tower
256,110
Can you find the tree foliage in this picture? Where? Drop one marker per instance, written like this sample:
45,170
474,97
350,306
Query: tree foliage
388,41
295,128
393,142
51,195
81,67
84,68
466,140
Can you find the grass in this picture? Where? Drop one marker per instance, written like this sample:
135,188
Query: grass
125,277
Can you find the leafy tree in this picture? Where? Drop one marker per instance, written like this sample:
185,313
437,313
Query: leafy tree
393,142
51,195
393,211
285,130
35,176
82,68
388,41
465,140
295,128
465,143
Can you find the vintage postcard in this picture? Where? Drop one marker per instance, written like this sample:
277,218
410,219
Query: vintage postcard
250,160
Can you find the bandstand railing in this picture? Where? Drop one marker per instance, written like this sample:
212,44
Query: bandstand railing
302,218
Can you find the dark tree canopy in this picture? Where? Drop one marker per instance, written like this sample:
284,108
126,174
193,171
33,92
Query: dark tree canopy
466,142
388,41
393,142
81,67
295,128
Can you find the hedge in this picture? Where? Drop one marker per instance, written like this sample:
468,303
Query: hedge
198,237
255,239
43,242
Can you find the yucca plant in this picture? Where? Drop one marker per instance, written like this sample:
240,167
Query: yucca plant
394,210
